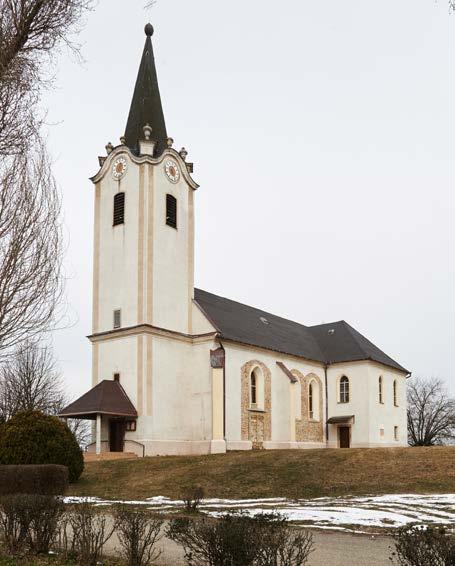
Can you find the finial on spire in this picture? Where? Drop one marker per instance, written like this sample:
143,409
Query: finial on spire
147,131
148,30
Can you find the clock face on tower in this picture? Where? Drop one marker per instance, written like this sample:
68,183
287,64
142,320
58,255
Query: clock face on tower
172,170
119,168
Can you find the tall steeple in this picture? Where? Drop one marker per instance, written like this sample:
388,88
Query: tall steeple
146,105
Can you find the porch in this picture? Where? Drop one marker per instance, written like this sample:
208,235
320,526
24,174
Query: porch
113,414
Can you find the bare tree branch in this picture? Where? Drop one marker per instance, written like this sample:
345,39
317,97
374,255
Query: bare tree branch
31,381
30,247
431,413
31,32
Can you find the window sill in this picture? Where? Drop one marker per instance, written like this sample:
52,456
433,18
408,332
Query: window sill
252,410
343,402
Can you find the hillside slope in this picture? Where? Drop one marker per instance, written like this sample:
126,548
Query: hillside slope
279,473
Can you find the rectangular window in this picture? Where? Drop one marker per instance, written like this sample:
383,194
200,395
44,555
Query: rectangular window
395,433
119,209
381,432
117,318
171,211
130,426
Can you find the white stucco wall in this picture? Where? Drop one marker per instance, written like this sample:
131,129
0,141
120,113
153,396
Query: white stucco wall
118,247
172,255
144,267
236,357
369,414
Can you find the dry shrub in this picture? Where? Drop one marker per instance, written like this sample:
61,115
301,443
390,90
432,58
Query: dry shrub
423,546
192,497
89,532
263,540
29,523
138,533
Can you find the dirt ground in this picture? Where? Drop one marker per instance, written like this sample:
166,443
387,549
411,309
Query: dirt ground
332,549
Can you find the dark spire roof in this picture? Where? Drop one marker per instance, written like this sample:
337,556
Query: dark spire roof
146,105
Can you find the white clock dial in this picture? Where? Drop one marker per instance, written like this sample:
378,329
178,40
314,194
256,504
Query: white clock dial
172,170
119,168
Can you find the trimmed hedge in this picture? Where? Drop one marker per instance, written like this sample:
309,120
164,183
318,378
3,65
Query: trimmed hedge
47,479
31,437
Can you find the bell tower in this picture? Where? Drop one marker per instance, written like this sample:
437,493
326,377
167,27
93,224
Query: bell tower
143,241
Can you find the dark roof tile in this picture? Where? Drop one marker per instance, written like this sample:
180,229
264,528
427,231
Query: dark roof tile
327,343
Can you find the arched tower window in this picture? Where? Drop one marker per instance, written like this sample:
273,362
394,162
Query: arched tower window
395,393
344,390
310,401
119,209
171,211
381,398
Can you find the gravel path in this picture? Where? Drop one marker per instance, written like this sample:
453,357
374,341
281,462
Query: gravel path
332,549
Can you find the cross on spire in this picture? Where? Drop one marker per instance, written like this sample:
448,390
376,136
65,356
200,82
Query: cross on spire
146,107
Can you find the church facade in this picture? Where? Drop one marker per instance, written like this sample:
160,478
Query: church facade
178,370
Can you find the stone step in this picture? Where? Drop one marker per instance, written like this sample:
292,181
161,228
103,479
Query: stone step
92,457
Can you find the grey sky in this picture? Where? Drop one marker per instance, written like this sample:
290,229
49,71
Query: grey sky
323,140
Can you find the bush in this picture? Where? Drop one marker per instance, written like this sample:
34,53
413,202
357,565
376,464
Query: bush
263,540
34,438
423,546
192,498
138,532
44,479
89,534
29,522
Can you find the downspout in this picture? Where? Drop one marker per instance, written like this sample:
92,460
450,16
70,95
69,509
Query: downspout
326,406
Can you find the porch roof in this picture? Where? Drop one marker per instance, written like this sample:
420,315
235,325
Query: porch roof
106,398
346,419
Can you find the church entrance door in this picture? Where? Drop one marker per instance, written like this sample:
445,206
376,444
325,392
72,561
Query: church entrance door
344,433
116,435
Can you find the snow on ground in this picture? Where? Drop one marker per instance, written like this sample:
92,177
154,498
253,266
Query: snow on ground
343,513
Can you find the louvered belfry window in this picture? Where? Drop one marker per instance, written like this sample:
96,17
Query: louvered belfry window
119,209
171,211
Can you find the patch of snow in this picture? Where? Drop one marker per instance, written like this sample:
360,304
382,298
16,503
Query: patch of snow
341,513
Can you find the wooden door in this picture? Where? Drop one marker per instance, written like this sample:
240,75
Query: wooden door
116,435
345,436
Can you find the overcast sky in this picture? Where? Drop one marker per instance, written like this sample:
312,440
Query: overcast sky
323,138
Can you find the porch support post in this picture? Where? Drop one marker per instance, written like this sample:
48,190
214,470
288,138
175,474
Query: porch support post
98,433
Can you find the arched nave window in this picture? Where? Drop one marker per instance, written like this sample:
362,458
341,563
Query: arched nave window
310,400
313,400
254,385
256,389
395,393
381,398
344,390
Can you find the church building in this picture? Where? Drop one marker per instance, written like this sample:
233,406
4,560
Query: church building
179,370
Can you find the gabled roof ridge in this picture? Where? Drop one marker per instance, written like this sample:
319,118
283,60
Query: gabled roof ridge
252,308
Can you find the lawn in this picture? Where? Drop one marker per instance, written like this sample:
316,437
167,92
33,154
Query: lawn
275,473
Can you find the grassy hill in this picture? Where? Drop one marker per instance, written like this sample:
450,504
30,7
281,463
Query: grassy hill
277,473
